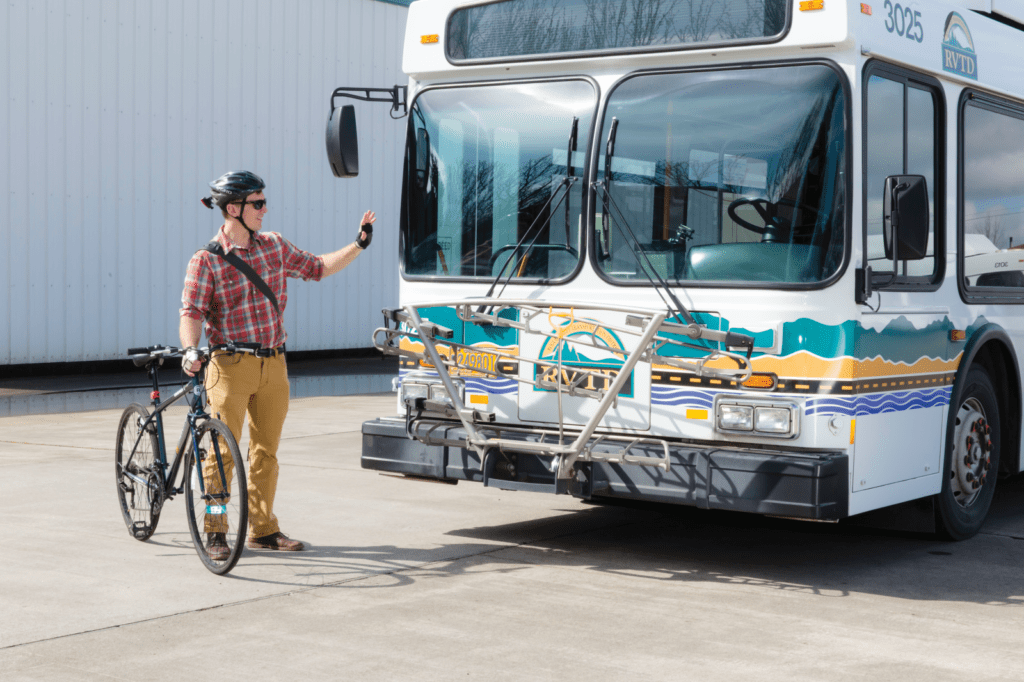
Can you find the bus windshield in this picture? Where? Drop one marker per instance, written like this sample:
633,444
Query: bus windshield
726,176
487,191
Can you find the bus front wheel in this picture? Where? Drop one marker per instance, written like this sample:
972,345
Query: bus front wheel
972,460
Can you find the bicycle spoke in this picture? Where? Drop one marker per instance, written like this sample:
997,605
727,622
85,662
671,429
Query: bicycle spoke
136,467
216,497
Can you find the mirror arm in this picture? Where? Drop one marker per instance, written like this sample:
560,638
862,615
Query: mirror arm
862,285
396,97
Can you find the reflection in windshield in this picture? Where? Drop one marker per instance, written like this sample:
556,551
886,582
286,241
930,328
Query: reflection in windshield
484,187
728,176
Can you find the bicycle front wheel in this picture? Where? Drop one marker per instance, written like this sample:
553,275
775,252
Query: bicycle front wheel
216,496
138,473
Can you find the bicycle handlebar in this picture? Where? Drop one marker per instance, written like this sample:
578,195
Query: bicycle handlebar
141,356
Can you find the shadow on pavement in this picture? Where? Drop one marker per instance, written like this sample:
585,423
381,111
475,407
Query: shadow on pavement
670,543
831,560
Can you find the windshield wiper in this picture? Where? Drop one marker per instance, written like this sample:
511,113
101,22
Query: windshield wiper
732,339
676,307
569,173
609,150
608,202
567,183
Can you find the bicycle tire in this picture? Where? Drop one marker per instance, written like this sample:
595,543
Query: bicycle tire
138,475
212,506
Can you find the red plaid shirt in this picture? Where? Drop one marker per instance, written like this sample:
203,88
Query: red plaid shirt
232,306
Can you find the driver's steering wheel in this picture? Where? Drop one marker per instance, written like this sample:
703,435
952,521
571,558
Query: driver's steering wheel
773,230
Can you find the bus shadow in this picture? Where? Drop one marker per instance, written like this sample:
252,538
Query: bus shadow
672,544
830,560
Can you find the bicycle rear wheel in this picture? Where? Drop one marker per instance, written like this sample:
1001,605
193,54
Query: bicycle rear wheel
216,496
139,483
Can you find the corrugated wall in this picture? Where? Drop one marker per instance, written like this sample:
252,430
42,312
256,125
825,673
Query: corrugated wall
116,115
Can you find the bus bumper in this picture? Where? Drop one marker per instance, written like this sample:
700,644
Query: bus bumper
808,485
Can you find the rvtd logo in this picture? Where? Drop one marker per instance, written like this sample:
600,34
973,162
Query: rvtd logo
958,54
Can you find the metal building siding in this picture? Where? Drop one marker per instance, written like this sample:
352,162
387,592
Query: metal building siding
117,115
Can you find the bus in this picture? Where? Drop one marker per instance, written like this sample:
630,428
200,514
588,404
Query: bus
753,255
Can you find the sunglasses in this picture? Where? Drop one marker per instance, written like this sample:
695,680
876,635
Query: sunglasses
258,204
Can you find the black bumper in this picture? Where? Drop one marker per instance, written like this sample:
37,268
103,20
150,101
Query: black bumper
810,485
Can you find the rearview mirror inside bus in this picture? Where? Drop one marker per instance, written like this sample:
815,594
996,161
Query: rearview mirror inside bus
905,219
342,143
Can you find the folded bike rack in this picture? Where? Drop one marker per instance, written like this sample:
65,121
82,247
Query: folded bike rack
650,332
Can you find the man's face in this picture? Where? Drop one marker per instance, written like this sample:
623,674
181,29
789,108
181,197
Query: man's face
252,216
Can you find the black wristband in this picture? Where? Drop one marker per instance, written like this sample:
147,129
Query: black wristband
368,229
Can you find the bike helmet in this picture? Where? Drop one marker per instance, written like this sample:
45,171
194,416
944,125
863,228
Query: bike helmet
231,187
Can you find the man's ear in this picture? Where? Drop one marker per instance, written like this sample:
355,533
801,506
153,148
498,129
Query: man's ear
234,210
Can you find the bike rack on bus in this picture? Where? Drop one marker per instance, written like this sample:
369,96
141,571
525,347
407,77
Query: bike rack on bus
653,334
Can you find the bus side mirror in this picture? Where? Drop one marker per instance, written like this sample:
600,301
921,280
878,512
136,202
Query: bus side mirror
342,143
905,220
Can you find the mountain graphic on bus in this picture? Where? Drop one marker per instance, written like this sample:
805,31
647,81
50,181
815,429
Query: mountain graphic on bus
899,341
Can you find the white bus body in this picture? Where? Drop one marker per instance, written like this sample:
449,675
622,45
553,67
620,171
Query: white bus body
748,162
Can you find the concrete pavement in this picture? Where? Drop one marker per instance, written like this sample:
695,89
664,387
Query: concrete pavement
417,581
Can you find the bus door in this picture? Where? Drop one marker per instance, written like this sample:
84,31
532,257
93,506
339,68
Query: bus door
903,360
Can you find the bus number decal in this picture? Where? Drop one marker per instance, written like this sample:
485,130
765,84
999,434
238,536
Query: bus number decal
904,21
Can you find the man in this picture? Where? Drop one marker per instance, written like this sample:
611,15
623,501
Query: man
235,309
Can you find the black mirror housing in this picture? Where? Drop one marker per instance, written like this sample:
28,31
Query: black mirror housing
342,142
905,217
422,157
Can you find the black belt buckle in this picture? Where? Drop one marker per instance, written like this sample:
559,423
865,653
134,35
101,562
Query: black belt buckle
269,352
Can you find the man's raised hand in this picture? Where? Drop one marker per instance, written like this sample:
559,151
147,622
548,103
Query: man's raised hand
366,229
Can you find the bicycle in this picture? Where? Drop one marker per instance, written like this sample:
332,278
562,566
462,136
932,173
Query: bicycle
145,481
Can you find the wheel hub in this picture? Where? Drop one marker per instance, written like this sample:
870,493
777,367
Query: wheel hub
971,453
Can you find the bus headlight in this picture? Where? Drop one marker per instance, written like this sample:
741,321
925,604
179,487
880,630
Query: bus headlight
439,393
772,419
735,417
416,386
779,420
412,390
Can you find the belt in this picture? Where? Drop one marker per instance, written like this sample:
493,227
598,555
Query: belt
269,352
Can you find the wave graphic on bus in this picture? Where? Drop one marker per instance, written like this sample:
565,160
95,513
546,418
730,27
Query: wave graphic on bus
683,396
493,386
862,405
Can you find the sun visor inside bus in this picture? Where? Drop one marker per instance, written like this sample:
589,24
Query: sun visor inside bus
342,142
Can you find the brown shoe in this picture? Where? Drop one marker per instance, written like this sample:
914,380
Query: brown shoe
217,546
276,540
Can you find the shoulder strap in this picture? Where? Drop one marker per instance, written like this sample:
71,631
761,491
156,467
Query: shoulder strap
215,248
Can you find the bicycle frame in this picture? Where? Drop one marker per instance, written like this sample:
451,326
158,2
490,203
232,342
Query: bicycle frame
193,391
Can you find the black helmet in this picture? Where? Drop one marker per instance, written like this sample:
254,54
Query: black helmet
233,186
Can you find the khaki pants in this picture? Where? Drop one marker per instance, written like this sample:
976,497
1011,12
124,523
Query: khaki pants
240,384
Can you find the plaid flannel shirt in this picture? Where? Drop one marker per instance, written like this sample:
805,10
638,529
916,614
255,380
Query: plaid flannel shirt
232,307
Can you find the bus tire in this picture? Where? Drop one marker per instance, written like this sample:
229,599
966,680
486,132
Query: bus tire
972,459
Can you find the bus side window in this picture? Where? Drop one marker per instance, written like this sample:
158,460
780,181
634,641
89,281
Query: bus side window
993,195
900,139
